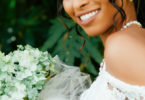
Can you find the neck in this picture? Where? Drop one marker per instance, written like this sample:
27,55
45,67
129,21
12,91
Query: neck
130,16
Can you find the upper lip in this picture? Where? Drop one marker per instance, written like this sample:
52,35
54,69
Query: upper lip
85,12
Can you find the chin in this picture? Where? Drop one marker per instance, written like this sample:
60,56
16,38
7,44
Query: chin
97,30
93,32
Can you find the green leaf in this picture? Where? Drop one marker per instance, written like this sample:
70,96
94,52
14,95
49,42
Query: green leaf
12,4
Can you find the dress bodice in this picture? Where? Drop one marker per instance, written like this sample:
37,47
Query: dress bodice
108,87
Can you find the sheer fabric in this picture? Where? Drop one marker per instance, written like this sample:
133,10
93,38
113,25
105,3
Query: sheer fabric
68,84
71,84
108,87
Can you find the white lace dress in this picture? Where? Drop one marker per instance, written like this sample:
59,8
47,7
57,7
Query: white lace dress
108,87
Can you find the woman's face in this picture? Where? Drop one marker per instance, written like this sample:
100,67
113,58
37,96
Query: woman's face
94,16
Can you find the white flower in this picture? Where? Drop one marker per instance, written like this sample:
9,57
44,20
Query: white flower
37,79
22,73
3,76
9,68
5,97
20,93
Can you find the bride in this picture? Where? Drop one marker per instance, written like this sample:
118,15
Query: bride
120,24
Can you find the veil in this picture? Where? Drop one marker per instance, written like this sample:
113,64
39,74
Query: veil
69,84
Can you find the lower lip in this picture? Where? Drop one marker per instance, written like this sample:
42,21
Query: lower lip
88,21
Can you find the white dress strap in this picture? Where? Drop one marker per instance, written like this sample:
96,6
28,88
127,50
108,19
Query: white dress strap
108,87
103,65
120,88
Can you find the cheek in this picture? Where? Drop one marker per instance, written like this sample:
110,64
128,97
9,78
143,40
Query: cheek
103,21
68,7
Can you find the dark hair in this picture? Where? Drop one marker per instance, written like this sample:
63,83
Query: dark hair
139,7
61,12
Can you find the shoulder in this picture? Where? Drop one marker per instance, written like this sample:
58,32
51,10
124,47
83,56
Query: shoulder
125,57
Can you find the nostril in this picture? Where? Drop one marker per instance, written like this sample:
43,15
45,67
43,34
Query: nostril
83,5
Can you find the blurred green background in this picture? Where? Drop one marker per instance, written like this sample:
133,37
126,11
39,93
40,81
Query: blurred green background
34,22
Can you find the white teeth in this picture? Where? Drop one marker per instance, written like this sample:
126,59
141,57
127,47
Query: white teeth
87,16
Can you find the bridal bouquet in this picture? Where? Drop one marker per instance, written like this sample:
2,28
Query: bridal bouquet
26,73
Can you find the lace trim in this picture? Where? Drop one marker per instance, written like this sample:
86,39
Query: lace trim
103,68
121,89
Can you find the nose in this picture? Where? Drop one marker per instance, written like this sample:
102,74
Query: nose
80,3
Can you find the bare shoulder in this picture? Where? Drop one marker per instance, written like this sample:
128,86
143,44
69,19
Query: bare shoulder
125,57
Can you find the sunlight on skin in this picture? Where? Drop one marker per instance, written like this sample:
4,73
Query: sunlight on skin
102,23
96,17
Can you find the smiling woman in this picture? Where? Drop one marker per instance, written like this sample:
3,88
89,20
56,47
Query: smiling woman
91,15
120,24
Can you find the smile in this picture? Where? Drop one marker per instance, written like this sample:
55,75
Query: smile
87,18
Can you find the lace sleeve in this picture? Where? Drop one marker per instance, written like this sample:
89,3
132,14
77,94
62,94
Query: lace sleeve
130,94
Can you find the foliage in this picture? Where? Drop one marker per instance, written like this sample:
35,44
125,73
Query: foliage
24,22
34,22
69,51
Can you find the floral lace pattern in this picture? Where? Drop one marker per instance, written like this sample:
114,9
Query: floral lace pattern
117,87
108,87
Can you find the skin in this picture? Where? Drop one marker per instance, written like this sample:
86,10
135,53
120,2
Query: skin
124,52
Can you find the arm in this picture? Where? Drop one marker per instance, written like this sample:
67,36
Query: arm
125,58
